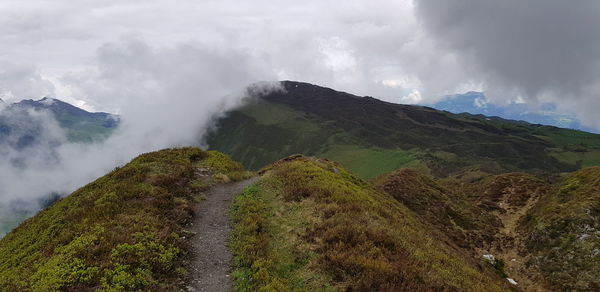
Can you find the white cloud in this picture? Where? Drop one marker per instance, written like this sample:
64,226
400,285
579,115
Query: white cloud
167,97
21,80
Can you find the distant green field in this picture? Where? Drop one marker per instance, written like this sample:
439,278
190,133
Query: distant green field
368,163
584,159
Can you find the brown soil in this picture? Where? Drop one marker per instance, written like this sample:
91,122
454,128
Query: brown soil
508,242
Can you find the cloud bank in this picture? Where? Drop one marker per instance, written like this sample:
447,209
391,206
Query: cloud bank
166,97
541,51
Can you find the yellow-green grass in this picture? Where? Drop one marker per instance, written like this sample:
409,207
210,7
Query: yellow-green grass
585,158
309,225
561,233
368,163
123,232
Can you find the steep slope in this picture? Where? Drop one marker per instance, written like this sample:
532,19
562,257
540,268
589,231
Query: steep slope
372,137
125,231
543,232
309,225
562,234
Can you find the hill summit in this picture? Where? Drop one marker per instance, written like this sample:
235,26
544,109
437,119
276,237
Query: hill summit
372,137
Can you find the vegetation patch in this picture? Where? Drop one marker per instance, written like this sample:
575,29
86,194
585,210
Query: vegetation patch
311,225
562,232
315,121
445,204
368,163
123,232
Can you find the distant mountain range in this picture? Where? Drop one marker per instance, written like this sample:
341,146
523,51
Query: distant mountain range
23,124
35,128
477,103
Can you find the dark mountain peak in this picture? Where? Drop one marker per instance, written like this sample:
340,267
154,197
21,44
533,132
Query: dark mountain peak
340,126
60,108
308,90
79,124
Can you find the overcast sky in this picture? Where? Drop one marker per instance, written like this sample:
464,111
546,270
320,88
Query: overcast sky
103,55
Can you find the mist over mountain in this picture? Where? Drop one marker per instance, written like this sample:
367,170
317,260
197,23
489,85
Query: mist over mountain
51,147
31,135
22,122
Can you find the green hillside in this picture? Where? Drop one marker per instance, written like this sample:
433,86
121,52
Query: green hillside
80,125
372,137
541,230
122,232
562,233
309,225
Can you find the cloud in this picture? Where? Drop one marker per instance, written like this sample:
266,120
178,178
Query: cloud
166,96
536,50
351,47
21,80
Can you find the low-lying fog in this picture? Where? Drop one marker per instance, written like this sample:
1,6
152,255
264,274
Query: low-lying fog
166,98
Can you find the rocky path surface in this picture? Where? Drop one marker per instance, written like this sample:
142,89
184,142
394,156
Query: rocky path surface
211,266
508,248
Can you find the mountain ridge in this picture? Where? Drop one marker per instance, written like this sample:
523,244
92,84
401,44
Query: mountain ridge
78,124
313,120
477,103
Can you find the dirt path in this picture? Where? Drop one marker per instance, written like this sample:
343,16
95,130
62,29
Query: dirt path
508,250
211,266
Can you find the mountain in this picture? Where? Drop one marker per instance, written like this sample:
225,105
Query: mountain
477,103
372,137
130,230
22,123
35,129
419,200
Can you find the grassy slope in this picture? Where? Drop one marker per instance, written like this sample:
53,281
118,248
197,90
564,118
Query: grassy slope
558,237
122,232
86,127
310,225
443,205
564,227
272,131
321,122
